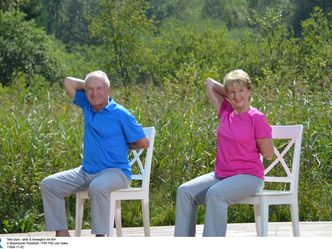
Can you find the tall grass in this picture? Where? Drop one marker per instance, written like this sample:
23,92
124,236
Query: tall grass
41,133
185,143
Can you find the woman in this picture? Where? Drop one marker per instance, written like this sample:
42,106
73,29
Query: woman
243,134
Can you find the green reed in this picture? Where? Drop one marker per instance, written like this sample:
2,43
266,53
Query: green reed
41,133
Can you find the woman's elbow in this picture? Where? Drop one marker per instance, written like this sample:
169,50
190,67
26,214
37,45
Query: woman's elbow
268,155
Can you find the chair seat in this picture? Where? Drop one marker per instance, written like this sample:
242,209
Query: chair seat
133,191
129,190
273,192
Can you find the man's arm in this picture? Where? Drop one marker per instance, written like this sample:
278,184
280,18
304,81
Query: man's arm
72,85
216,93
140,144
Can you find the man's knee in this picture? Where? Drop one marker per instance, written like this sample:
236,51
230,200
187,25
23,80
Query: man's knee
46,183
97,189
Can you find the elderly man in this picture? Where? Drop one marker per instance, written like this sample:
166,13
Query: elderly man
110,131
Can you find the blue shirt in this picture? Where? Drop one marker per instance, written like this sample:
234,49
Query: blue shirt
107,135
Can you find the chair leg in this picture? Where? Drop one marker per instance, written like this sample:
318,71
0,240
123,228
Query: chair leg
112,217
79,215
295,218
118,222
264,211
257,219
146,217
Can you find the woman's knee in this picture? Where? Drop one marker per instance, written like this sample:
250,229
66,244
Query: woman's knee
215,195
183,190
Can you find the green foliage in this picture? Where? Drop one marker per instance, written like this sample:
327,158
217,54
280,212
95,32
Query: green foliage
26,48
41,132
234,13
68,21
180,9
31,220
122,26
11,4
36,140
316,48
184,53
303,9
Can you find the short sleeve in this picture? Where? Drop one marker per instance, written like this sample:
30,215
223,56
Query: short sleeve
262,127
80,98
132,129
225,107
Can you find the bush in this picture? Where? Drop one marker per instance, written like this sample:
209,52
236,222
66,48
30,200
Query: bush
26,48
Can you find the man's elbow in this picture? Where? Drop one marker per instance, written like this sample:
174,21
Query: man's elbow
146,143
69,88
66,82
141,144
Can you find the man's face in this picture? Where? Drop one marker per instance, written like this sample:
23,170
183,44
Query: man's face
97,92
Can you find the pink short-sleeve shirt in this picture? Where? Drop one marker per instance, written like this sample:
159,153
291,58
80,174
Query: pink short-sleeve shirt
237,150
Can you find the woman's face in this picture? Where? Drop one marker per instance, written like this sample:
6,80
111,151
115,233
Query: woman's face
239,97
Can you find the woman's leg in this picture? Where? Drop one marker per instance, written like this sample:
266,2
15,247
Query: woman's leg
189,195
226,192
100,188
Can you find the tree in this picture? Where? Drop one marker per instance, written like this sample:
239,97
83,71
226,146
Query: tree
304,8
232,13
316,48
12,4
121,26
26,48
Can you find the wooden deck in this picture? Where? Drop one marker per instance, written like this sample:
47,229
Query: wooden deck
276,229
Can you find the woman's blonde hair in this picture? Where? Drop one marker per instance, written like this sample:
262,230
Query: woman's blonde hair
237,76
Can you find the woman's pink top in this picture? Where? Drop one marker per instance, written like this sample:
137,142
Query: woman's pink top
237,150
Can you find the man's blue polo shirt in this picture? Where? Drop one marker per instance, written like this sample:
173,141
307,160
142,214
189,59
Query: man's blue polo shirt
107,135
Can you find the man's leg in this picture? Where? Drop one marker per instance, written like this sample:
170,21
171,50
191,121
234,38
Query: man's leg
54,189
100,188
228,191
189,195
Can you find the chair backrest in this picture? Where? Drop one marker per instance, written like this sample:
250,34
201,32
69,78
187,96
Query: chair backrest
144,168
291,138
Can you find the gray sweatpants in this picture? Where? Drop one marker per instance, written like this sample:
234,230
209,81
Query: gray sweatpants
55,188
217,195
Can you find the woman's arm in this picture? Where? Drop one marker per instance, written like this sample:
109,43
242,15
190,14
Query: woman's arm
265,146
72,84
216,93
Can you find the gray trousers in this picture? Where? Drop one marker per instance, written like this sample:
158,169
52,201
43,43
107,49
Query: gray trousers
55,188
217,195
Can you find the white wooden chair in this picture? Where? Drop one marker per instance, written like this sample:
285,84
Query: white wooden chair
131,193
291,137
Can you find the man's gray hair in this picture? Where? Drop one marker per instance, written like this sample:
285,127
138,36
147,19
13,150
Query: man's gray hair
100,74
